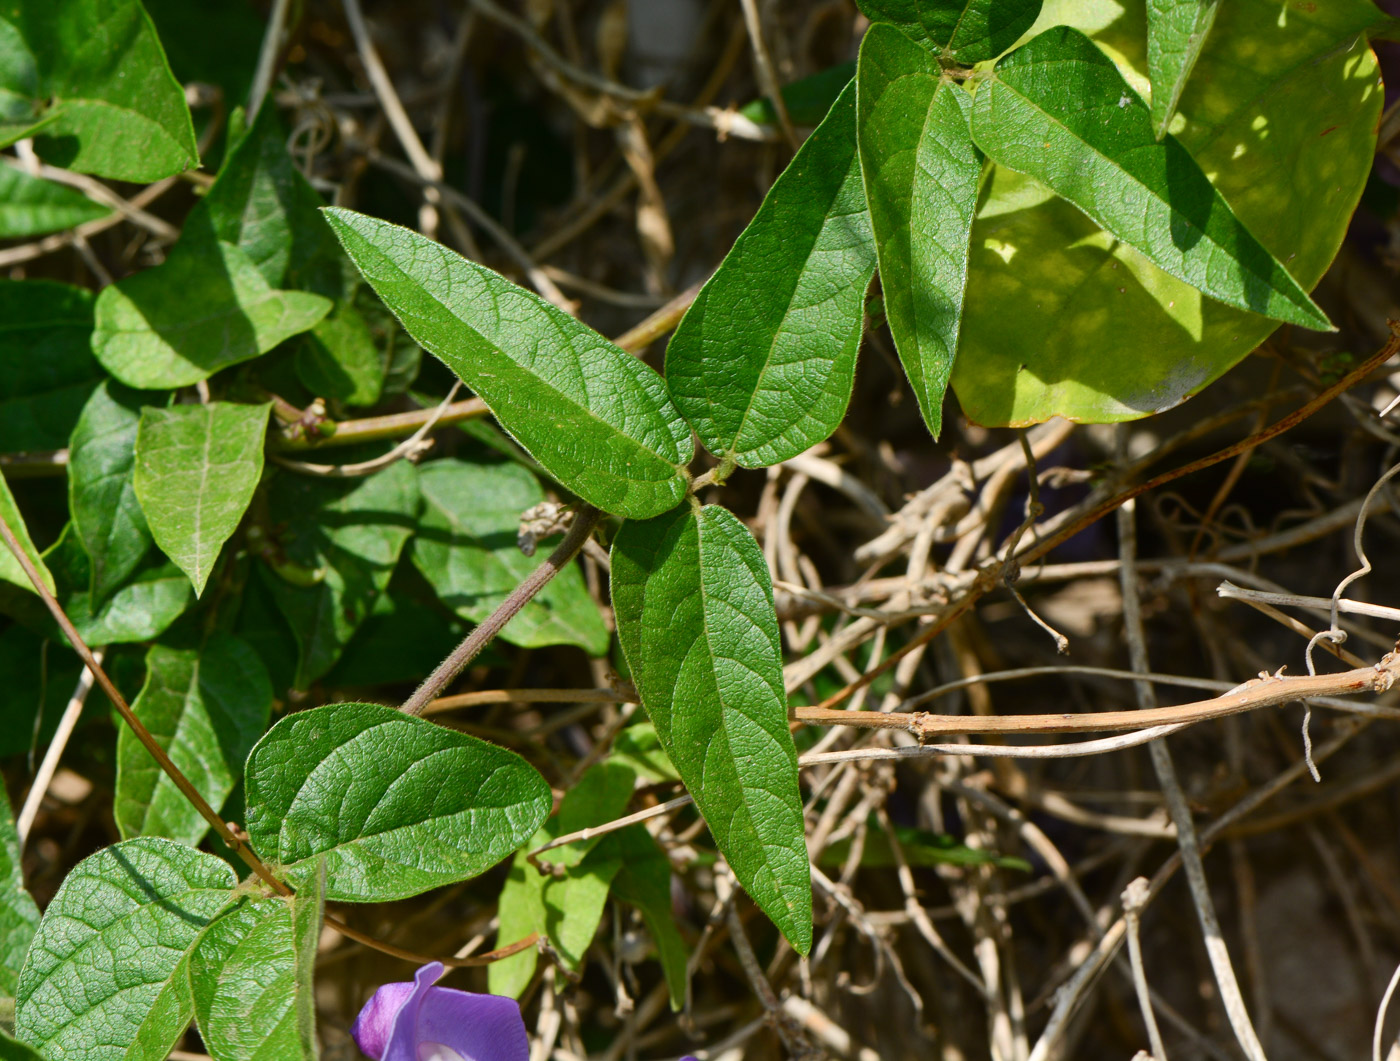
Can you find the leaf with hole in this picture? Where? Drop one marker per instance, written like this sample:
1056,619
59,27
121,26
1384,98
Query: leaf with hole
107,517
329,555
763,362
694,606
45,346
206,707
921,173
196,469
595,417
1062,318
89,79
466,548
1058,110
251,977
106,978
205,308
393,804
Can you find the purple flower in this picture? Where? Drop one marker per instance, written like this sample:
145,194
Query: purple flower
421,1022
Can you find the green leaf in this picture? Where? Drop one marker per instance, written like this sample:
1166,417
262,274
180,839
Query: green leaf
339,358
45,333
645,882
264,206
694,606
921,173
155,595
107,517
1061,318
1059,110
39,679
394,804
566,908
807,99
106,979
206,308
404,638
10,569
639,747
251,976
920,848
968,31
196,469
206,707
595,417
14,1050
762,363
99,83
19,915
31,206
1176,32
341,540
466,548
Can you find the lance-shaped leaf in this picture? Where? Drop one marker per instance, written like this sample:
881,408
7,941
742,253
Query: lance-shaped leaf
107,974
1281,113
335,546
694,606
762,363
1176,32
466,548
101,98
596,418
107,517
31,206
921,174
10,569
394,804
969,31
251,976
196,469
45,346
206,707
206,308
1059,110
18,913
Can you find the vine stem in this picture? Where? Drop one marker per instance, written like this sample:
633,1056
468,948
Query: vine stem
585,519
149,742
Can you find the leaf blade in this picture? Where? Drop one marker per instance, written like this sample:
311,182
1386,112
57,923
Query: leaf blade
921,173
196,469
1176,33
325,784
147,899
597,419
695,617
762,365
31,206
1059,110
206,707
19,914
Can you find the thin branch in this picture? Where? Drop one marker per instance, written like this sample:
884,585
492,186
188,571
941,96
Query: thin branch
408,449
584,521
267,57
49,765
767,76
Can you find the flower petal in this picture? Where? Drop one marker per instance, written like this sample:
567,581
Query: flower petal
403,1034
376,1020
479,1027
